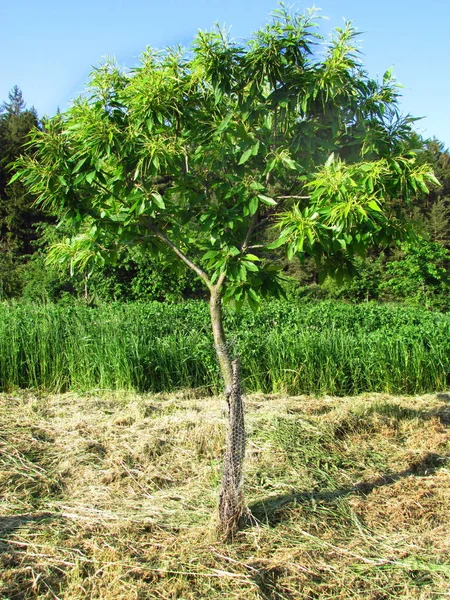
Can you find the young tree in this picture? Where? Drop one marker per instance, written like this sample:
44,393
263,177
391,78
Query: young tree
221,154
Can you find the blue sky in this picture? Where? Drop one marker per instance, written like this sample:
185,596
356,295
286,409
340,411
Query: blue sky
48,47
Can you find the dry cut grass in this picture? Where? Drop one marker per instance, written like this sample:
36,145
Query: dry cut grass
113,497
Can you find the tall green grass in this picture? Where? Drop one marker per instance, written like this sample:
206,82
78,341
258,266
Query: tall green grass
325,347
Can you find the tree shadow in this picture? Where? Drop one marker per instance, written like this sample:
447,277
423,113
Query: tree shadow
270,510
355,421
9,524
17,564
443,412
269,582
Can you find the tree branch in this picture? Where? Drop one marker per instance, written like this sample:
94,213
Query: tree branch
187,261
172,246
264,221
296,197
250,231
105,189
220,281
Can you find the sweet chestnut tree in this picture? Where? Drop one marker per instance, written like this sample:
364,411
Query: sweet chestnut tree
221,153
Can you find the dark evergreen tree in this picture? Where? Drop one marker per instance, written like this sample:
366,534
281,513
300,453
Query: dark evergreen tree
18,217
16,104
433,211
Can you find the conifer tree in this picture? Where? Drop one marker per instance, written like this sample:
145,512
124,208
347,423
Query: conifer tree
18,217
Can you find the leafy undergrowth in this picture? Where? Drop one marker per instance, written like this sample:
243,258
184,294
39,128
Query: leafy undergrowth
113,496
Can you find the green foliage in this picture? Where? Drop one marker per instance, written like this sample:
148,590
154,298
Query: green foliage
420,275
438,222
325,347
435,154
18,216
225,152
364,285
432,211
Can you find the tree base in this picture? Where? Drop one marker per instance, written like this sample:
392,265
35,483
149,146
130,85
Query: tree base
232,509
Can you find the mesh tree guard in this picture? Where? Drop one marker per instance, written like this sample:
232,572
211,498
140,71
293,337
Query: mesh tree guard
232,508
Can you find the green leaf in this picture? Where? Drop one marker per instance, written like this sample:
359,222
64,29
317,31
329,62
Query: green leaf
91,176
388,75
210,254
79,178
374,206
276,244
253,205
14,178
250,266
423,186
141,208
433,179
255,185
288,162
254,295
79,164
252,257
158,200
245,156
224,123
267,200
330,160
253,300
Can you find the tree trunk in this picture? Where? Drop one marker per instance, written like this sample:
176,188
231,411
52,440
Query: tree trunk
231,499
220,343
232,509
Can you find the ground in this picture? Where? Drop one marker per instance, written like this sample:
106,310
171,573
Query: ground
109,496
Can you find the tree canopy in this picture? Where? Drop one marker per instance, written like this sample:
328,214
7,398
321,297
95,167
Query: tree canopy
230,150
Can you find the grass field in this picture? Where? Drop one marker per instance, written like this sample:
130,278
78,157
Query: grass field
113,496
311,348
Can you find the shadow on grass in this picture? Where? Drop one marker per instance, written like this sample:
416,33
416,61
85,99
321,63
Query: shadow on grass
361,419
269,582
270,510
19,568
8,525
442,413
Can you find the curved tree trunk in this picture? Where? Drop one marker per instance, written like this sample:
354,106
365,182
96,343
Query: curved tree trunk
231,499
232,508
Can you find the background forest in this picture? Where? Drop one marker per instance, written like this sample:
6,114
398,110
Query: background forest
415,273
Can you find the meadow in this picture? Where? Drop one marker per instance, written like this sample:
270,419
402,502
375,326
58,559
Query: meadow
112,440
113,496
311,348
